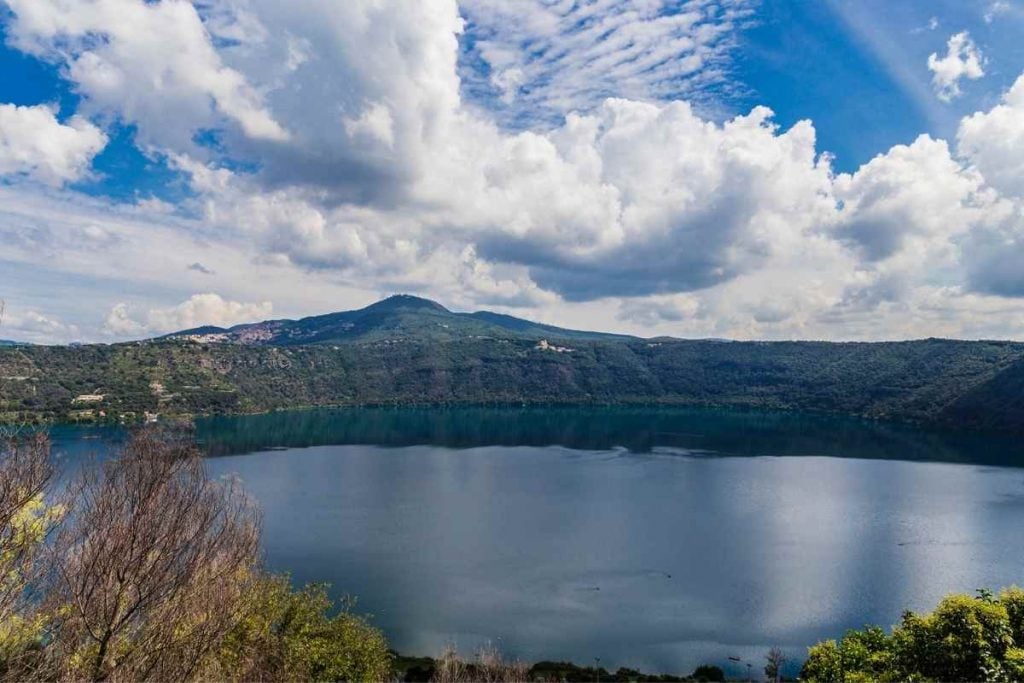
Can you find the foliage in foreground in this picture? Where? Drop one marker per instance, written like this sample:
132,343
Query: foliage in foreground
489,665
145,568
964,639
288,635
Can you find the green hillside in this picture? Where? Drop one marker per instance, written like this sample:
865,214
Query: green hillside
955,383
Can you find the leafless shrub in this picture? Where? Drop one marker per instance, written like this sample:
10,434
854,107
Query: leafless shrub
150,569
775,660
488,667
449,667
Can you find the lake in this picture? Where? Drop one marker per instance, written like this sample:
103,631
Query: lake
652,538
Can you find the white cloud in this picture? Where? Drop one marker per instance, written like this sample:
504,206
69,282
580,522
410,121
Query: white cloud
120,323
632,215
994,142
199,310
34,143
30,325
632,200
916,190
963,59
547,59
641,198
996,8
150,63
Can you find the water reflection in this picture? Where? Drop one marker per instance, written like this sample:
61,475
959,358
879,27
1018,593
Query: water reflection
622,533
637,429
652,562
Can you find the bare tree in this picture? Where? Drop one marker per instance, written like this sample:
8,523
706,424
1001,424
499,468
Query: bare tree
773,668
491,666
450,668
151,567
488,667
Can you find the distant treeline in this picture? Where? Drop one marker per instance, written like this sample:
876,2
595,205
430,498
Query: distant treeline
961,384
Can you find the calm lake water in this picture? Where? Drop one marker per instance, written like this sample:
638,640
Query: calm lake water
652,538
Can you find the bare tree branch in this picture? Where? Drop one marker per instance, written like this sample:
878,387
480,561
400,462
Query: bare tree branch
150,571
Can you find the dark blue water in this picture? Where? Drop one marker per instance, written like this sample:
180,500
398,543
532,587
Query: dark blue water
656,539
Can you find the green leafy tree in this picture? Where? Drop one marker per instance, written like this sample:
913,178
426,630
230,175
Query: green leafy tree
288,635
26,519
708,672
1013,600
858,656
964,638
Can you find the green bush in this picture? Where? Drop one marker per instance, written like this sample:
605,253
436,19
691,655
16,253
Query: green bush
965,638
707,672
290,635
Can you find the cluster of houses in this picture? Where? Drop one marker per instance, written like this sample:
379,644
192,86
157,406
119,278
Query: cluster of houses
89,409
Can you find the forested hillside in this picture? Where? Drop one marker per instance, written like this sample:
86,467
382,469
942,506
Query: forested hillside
954,383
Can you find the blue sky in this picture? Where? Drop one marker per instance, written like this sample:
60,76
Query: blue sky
122,171
603,163
856,68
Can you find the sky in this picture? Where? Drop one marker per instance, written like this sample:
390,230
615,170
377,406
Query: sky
746,169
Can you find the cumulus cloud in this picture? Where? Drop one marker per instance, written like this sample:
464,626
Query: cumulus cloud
994,256
35,144
120,323
994,142
646,215
643,199
149,63
633,200
199,310
962,60
912,190
29,325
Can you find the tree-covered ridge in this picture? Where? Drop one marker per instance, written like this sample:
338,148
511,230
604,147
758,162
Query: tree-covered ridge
955,383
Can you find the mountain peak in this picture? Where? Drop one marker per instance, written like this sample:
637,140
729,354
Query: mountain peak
401,316
406,301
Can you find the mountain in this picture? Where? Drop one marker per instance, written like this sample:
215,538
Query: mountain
398,317
8,342
408,350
